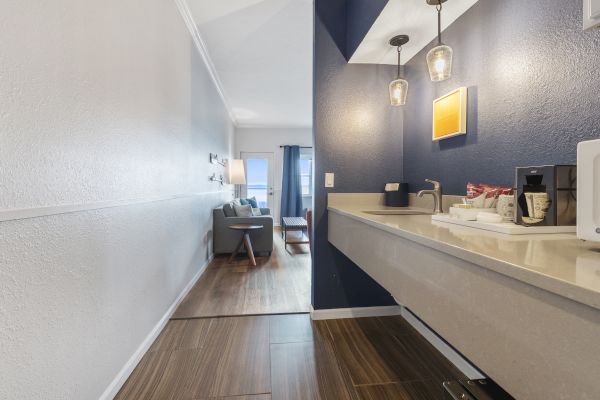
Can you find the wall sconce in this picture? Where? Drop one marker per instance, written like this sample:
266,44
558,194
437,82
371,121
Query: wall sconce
213,178
214,159
399,86
439,59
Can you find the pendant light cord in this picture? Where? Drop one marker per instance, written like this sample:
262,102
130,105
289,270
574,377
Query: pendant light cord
399,52
439,11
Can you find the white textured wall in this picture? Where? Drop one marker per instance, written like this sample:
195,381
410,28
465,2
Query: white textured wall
99,101
268,140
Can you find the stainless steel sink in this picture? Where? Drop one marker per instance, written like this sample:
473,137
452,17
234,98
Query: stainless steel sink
397,212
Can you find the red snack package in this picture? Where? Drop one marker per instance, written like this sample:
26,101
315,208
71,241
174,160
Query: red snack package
490,190
473,190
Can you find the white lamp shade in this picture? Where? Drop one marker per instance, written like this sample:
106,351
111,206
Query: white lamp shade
237,173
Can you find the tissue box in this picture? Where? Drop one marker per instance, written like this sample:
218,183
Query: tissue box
397,198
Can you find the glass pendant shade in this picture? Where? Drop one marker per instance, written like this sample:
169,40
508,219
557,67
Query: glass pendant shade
398,92
439,62
399,86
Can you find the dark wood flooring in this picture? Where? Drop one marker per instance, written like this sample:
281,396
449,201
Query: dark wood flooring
281,357
277,284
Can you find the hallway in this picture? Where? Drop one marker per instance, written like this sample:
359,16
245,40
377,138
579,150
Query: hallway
243,333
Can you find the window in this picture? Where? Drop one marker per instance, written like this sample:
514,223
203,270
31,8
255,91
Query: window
306,167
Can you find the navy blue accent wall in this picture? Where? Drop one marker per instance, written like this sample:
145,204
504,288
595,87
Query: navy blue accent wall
361,15
533,77
330,23
358,136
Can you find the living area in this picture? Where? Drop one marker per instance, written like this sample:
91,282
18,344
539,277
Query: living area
259,245
260,239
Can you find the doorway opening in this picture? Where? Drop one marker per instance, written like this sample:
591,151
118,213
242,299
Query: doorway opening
267,87
259,178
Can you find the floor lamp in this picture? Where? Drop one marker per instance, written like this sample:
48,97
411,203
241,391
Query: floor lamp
237,175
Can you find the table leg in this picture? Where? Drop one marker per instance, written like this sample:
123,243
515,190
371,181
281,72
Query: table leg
248,245
237,250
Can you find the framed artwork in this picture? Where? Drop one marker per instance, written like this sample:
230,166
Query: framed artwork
450,115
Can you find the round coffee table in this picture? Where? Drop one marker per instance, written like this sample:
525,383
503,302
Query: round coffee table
245,241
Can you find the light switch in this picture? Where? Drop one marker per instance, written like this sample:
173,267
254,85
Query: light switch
329,179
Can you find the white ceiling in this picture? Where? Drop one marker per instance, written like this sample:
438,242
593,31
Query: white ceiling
261,51
411,17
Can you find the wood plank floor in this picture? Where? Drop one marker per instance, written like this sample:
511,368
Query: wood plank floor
277,284
289,357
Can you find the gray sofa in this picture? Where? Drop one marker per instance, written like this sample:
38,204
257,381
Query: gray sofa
225,240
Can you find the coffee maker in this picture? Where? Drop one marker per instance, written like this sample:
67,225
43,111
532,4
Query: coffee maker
546,195
588,177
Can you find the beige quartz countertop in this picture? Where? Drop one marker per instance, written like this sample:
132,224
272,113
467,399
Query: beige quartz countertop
558,263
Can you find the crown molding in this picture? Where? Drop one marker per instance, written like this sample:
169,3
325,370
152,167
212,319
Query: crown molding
203,50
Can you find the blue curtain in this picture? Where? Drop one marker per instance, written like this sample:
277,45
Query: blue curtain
291,187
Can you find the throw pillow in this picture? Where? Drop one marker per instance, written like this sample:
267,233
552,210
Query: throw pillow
256,212
243,211
228,210
252,201
244,202
236,201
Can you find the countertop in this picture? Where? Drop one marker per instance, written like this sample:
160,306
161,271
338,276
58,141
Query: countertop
558,263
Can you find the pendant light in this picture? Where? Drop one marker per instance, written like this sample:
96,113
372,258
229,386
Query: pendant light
399,86
439,59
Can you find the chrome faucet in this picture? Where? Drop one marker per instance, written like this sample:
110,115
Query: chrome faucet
437,195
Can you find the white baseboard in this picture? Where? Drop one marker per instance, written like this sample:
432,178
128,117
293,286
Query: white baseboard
452,355
359,312
114,387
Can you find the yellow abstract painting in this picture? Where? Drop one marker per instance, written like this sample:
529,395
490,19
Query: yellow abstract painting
450,114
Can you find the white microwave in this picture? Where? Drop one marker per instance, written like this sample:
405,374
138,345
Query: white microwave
588,190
